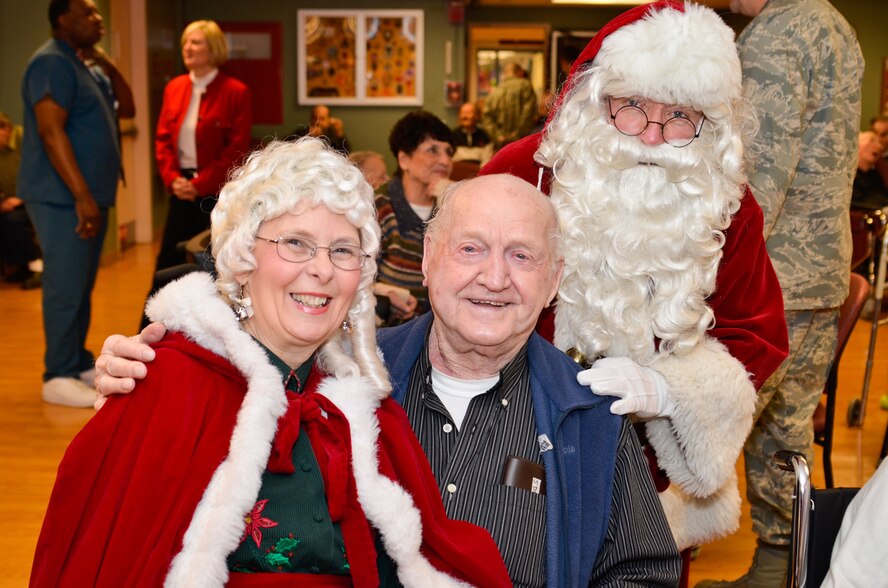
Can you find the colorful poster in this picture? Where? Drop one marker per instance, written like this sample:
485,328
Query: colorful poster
360,57
330,56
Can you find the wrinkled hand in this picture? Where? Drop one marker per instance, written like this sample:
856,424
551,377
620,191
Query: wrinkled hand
641,390
121,362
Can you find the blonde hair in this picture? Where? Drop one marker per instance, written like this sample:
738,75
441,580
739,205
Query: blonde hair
280,179
216,42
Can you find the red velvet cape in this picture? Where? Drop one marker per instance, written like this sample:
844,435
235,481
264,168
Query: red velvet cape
129,482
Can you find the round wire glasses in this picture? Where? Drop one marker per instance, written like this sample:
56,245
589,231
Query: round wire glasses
632,120
300,250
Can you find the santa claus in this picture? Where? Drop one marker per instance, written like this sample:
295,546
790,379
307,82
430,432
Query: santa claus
668,292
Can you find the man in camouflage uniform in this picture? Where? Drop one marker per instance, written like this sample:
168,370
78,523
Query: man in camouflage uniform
511,111
802,70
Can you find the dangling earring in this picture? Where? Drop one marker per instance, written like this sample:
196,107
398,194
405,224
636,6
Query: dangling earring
243,307
346,326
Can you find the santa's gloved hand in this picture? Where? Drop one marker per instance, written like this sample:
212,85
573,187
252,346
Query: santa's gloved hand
642,391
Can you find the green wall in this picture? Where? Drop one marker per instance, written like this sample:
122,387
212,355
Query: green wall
869,22
24,26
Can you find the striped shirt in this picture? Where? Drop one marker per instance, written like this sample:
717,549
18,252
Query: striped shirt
400,252
468,465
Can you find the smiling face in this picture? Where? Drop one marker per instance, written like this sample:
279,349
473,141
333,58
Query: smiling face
430,162
298,306
491,268
196,52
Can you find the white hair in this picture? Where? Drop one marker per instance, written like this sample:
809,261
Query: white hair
283,178
642,226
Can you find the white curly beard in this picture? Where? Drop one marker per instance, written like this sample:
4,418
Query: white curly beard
642,239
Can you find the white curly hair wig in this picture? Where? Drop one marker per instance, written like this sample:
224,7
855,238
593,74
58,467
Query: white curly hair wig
280,179
643,225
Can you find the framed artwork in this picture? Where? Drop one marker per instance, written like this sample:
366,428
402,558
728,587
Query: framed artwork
360,57
566,47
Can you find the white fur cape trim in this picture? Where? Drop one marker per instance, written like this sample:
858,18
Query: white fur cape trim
699,444
192,306
675,57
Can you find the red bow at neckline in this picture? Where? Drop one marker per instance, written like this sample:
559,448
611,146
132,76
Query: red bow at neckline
329,434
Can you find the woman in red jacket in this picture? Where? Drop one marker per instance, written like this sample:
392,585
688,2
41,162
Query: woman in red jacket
203,131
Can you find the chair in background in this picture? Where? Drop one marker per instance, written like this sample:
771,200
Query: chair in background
848,315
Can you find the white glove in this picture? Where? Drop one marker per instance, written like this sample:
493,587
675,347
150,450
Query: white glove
642,391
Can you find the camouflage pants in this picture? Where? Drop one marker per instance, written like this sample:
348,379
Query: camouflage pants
783,420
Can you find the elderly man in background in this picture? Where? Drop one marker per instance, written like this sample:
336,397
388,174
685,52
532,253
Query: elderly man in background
323,125
668,295
870,191
879,125
471,141
516,444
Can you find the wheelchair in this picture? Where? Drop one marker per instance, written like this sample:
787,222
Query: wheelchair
816,520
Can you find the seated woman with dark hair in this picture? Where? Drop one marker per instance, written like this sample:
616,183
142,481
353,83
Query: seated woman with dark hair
423,147
263,448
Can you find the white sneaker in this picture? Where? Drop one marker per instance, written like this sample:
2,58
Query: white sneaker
88,377
69,392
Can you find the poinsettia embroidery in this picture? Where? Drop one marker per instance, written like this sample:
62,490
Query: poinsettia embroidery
255,522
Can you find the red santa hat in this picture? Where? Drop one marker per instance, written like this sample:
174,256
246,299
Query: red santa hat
672,52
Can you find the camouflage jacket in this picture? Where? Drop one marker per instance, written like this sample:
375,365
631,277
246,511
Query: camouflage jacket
511,111
802,70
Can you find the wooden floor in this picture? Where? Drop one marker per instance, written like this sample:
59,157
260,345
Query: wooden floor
33,435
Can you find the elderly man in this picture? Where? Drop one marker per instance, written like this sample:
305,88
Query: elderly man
321,124
516,444
472,142
666,275
869,191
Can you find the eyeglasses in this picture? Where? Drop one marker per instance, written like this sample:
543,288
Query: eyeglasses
631,120
300,250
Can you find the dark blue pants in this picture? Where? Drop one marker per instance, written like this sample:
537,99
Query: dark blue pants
70,265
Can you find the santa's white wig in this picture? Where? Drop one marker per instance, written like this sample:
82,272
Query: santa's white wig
288,177
643,225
